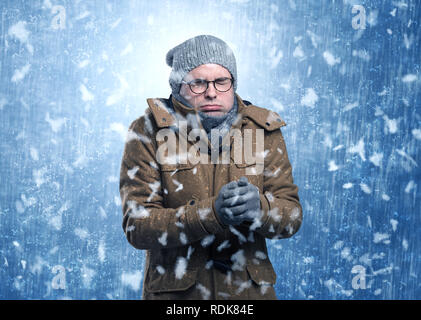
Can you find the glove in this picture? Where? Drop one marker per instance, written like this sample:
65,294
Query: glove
238,202
220,208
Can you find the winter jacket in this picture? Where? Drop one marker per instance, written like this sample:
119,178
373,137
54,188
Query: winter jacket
168,208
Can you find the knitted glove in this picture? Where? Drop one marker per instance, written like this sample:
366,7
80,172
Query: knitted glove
223,215
238,202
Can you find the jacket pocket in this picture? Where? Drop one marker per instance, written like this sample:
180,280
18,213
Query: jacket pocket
167,282
176,167
243,163
179,184
262,274
253,171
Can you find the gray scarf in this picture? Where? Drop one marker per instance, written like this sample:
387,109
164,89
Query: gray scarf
221,124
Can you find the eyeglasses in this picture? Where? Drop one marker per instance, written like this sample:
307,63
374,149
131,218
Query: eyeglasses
199,86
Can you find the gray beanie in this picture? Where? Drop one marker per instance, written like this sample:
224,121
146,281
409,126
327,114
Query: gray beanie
196,51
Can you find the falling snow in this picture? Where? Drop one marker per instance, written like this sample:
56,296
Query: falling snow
180,267
71,87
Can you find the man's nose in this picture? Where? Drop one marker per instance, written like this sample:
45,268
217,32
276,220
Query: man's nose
210,91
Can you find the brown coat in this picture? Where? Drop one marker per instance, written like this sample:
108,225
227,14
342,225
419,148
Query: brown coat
168,210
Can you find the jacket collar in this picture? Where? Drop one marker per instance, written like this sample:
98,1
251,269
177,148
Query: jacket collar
266,119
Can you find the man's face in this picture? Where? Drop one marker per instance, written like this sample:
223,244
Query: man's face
212,101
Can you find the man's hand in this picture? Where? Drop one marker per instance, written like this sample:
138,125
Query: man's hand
238,202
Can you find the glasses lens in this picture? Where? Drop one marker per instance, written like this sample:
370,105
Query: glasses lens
223,84
198,86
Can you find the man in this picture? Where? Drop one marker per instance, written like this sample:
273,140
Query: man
204,223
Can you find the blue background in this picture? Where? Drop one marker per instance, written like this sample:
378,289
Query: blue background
350,96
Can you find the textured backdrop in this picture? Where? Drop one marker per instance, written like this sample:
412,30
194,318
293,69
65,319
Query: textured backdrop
344,75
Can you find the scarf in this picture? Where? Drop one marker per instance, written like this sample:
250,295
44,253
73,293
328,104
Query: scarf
220,124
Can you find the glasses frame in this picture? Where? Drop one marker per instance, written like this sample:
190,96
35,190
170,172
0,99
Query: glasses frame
207,84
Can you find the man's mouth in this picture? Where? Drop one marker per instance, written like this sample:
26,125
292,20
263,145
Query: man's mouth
211,107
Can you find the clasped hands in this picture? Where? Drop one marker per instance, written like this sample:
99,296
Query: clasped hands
238,201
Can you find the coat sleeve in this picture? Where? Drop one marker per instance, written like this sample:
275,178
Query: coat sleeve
282,211
146,222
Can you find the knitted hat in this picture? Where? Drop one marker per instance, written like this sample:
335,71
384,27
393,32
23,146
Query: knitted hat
196,51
